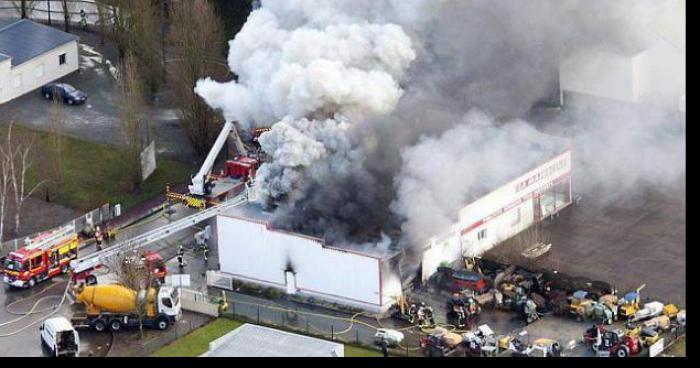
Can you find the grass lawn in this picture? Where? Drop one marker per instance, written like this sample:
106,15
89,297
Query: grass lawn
358,352
95,174
197,342
678,348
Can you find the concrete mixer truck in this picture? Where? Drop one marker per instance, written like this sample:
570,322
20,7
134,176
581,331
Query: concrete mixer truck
115,306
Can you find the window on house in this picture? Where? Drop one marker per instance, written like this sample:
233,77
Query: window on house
39,71
481,235
17,81
61,59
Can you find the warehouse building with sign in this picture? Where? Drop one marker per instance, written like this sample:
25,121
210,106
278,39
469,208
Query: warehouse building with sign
502,213
368,276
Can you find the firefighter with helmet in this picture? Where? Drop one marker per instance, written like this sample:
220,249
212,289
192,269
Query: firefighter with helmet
99,237
181,256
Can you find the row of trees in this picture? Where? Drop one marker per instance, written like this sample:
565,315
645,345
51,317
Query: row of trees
165,45
26,7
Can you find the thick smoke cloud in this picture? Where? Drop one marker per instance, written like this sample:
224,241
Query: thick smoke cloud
440,175
359,90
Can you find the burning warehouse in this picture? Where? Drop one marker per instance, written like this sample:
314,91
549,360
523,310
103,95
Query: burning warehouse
368,276
383,121
502,213
251,250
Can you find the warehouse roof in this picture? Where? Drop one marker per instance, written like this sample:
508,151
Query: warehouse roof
23,40
252,211
258,341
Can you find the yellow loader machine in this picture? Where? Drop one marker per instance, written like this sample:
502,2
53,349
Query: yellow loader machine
630,303
581,306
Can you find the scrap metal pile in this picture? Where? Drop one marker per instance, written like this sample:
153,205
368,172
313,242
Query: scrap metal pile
532,295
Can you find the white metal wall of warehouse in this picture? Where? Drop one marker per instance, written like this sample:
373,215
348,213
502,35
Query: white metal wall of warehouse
503,213
249,250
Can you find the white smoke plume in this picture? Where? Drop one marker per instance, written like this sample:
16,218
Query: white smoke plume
442,174
355,89
310,70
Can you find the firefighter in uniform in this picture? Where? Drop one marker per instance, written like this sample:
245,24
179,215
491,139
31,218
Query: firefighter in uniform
205,253
181,256
99,237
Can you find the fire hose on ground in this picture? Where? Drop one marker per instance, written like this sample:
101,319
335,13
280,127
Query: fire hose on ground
56,308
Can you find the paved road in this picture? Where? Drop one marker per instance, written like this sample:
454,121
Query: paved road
26,341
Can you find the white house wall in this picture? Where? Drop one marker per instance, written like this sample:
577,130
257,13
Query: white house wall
249,251
503,213
5,67
28,71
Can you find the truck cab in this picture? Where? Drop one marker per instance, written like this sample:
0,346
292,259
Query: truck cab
59,337
169,305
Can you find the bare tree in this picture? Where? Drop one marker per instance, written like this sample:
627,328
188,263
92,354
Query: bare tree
144,29
66,7
24,7
103,19
197,42
131,110
130,270
20,161
4,189
50,156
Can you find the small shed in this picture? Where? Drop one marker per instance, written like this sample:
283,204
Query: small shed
258,341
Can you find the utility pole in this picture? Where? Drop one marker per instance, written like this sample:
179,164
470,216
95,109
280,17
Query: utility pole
48,3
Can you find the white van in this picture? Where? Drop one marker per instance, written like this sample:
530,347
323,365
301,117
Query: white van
59,337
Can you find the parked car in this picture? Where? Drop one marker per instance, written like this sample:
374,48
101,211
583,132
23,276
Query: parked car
59,337
392,337
65,92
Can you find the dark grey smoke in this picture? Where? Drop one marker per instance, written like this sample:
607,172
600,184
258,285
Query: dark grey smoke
498,56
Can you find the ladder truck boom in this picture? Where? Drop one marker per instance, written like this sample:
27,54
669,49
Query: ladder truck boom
96,259
51,238
199,180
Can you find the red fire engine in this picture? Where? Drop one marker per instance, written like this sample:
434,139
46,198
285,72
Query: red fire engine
41,258
153,261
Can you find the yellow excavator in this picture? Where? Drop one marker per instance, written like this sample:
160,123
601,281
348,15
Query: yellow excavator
630,303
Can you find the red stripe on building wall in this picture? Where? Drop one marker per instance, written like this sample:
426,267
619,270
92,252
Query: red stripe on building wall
518,202
472,226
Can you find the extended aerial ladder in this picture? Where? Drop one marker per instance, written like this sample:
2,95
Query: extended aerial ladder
199,181
82,266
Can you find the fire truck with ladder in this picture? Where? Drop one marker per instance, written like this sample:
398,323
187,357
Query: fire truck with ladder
42,257
208,188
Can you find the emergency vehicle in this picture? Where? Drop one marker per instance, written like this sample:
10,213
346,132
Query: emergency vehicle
42,257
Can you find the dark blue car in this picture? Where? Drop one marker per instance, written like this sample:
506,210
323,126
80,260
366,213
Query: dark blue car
64,92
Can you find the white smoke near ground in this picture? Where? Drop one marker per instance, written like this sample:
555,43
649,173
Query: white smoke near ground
363,95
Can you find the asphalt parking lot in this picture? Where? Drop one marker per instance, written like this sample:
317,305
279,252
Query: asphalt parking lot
635,241
98,120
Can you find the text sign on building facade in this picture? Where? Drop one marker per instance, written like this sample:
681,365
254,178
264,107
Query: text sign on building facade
558,166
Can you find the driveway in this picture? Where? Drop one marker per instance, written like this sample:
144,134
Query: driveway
98,119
